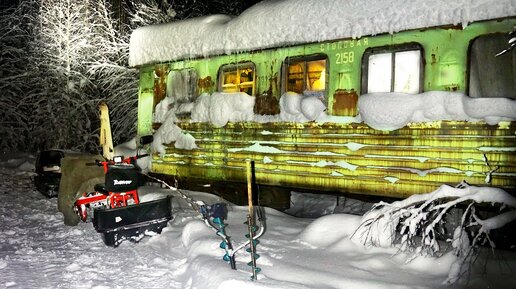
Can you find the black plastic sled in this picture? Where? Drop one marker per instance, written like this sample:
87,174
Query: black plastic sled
132,222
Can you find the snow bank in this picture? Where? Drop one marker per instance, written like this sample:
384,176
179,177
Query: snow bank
220,108
39,251
168,133
18,161
287,22
130,149
390,111
162,110
301,108
327,226
382,111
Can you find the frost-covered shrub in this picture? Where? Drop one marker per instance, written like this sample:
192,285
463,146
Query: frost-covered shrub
15,30
414,224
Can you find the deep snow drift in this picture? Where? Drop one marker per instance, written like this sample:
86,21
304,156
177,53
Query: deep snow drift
38,251
382,111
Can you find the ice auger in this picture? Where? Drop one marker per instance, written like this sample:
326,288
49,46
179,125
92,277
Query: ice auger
214,217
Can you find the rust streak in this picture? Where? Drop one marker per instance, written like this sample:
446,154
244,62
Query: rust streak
345,102
205,85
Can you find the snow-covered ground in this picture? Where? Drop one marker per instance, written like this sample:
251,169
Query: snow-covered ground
38,251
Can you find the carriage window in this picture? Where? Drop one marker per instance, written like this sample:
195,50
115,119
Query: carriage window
181,91
182,85
490,75
237,78
397,70
305,74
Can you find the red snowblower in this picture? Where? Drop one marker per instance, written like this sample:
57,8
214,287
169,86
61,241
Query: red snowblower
117,211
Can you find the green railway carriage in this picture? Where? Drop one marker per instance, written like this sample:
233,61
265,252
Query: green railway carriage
345,157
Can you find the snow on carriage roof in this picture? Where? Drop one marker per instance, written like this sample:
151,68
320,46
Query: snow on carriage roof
275,23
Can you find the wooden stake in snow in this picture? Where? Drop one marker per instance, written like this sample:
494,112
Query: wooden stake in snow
106,140
251,221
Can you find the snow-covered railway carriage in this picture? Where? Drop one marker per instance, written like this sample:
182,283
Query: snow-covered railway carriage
384,98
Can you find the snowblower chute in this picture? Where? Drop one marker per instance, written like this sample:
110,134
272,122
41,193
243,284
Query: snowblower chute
117,211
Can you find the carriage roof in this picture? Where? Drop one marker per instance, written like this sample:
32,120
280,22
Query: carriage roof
289,22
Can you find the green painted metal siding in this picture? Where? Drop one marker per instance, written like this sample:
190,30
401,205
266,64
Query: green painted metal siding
145,101
347,157
445,54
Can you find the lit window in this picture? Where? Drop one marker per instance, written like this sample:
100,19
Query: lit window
397,70
490,75
237,78
308,73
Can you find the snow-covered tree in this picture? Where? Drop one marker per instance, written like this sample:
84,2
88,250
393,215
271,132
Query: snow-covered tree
419,223
15,30
116,83
62,95
63,57
189,8
60,58
229,7
148,12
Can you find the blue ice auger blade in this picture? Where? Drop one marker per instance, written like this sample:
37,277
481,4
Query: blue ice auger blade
255,255
252,229
218,213
219,222
258,269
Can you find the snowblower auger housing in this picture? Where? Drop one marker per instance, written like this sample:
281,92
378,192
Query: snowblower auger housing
132,222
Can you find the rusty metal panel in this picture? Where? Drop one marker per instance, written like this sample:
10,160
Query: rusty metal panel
350,158
345,102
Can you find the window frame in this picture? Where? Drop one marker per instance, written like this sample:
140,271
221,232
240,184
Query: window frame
469,63
304,58
393,49
193,88
236,67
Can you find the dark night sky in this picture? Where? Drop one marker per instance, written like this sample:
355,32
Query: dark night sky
8,3
212,6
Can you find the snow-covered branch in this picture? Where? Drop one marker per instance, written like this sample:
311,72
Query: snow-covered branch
419,223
